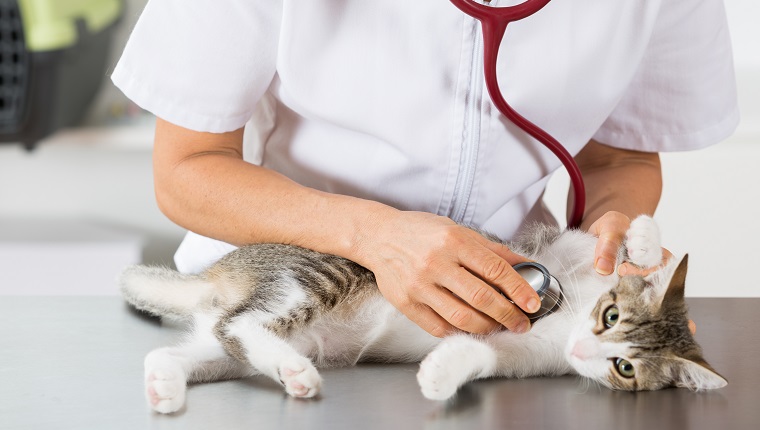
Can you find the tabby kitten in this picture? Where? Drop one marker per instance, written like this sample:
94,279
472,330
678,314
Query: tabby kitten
281,310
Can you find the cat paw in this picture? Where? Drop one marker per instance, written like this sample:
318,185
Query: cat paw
300,377
642,243
456,361
165,390
436,378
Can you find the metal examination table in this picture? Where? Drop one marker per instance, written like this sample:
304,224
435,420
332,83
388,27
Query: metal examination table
76,363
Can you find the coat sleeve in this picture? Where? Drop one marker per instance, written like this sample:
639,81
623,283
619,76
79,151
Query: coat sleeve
683,95
201,64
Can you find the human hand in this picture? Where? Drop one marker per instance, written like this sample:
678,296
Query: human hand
443,276
611,228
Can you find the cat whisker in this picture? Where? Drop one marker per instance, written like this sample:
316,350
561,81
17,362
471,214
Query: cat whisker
568,304
584,383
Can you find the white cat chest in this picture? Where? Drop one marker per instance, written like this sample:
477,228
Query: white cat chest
63,257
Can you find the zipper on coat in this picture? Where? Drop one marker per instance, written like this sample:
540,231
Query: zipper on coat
471,132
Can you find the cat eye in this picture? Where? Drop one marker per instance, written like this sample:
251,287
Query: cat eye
611,316
624,368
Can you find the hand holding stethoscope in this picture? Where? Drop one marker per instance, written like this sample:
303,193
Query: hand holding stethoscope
494,22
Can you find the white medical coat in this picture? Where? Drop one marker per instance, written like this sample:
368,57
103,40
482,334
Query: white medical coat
385,99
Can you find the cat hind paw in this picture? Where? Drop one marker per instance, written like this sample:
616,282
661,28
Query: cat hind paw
300,378
165,391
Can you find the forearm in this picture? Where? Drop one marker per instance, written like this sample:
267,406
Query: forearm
217,194
439,274
628,182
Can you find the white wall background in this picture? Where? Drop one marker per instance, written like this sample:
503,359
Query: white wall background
710,207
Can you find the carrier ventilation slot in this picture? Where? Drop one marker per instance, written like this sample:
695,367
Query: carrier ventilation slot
13,63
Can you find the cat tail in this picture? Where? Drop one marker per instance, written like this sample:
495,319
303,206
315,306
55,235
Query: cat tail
165,292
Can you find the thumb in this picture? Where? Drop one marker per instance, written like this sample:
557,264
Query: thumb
610,229
605,254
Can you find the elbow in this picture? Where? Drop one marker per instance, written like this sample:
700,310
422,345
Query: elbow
165,195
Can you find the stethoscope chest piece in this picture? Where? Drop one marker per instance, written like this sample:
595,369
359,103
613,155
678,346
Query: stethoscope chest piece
547,287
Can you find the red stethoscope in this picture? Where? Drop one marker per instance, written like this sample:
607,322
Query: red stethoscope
494,22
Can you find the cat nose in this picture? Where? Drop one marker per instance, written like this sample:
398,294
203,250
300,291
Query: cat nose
585,349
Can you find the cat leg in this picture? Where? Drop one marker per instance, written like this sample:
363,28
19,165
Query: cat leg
642,242
457,360
249,339
201,358
168,370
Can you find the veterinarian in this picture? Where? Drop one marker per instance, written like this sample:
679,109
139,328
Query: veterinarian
363,129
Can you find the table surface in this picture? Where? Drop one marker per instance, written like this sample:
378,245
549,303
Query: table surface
76,363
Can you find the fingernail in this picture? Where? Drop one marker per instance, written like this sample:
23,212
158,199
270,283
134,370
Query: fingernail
692,327
622,270
523,327
534,305
604,266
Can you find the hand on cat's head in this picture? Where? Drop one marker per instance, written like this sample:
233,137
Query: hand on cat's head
611,229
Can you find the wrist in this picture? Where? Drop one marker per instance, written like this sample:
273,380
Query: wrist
349,228
369,222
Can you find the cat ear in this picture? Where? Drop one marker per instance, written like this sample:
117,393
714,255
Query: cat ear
698,375
677,284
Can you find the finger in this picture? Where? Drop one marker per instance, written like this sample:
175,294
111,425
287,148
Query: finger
512,258
502,251
692,327
486,299
457,313
428,320
629,269
497,272
605,255
610,229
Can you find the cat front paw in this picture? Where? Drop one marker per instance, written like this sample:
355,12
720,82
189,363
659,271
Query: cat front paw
456,361
300,377
165,390
437,381
643,244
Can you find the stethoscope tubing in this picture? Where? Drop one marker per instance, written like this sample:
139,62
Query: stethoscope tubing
506,14
494,21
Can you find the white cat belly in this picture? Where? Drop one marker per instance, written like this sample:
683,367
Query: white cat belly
379,332
376,332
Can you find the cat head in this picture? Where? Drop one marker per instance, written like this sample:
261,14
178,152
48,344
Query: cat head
638,338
